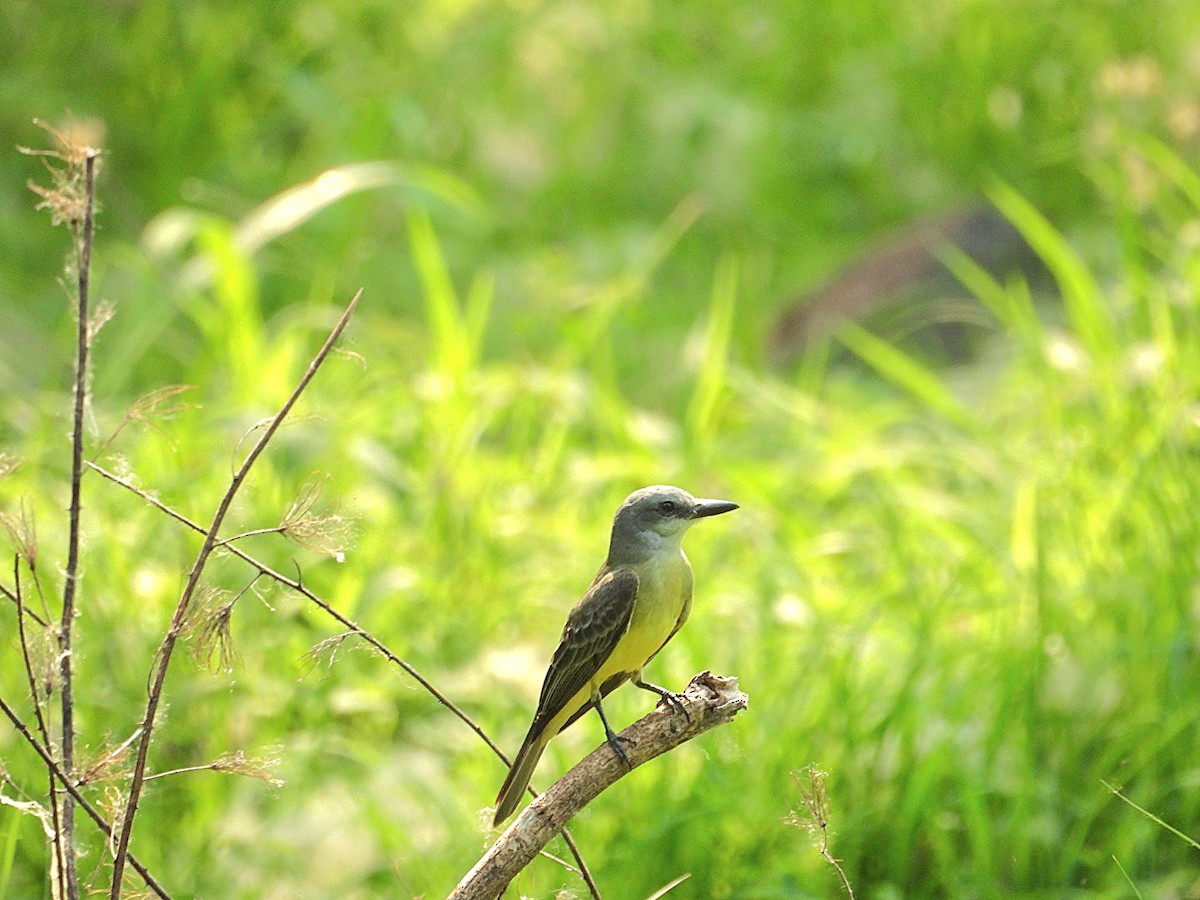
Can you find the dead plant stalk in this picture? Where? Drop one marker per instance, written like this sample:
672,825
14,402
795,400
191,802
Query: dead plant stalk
166,648
71,579
352,628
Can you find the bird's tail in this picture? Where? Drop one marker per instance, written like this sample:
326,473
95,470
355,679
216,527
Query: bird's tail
520,773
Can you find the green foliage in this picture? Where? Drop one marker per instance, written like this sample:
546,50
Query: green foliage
968,594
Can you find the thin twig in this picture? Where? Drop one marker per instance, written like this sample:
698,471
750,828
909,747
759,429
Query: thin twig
203,767
351,628
8,592
43,728
83,340
84,803
167,646
109,759
274,529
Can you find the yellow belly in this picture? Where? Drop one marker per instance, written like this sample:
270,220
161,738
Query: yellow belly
663,598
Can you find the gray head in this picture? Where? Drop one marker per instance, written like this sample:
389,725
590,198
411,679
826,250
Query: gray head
655,516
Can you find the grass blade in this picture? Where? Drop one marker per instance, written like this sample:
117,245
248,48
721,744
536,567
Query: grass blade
907,373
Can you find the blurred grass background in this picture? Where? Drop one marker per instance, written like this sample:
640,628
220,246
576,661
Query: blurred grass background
968,590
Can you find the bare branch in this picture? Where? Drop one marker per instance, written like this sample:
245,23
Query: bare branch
669,886
352,629
709,700
163,658
11,595
56,845
71,789
85,231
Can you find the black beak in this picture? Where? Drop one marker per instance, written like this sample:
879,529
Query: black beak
705,508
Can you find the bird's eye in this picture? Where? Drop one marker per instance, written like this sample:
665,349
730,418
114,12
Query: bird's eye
666,507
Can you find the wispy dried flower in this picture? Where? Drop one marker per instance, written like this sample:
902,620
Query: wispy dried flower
22,533
234,763
101,317
43,661
207,628
326,651
327,533
66,195
150,407
815,817
112,804
238,763
103,765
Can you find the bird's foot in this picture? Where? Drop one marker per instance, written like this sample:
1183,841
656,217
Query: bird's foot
614,741
670,699
673,701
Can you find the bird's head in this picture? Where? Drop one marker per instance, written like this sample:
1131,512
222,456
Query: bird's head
662,512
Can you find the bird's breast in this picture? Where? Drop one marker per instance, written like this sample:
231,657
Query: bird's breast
664,592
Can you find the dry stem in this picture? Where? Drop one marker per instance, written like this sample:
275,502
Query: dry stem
66,691
166,648
60,776
43,729
352,628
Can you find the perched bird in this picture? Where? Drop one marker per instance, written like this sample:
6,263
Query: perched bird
638,600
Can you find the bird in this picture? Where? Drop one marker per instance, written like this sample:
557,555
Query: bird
636,603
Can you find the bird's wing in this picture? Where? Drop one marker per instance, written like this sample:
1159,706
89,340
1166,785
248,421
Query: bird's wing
593,629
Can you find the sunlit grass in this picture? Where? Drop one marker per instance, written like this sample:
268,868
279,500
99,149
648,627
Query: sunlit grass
971,597
971,617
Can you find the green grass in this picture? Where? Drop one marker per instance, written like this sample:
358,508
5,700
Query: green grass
968,594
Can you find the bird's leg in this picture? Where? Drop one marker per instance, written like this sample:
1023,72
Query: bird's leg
614,740
672,699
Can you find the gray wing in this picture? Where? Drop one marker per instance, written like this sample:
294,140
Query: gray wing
592,631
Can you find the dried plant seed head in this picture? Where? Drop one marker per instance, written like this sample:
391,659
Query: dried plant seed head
104,764
814,796
207,629
150,407
76,144
154,405
112,804
101,317
43,661
22,533
261,767
814,818
328,533
326,652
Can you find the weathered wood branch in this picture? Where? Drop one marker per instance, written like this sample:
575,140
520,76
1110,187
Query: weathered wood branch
708,701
